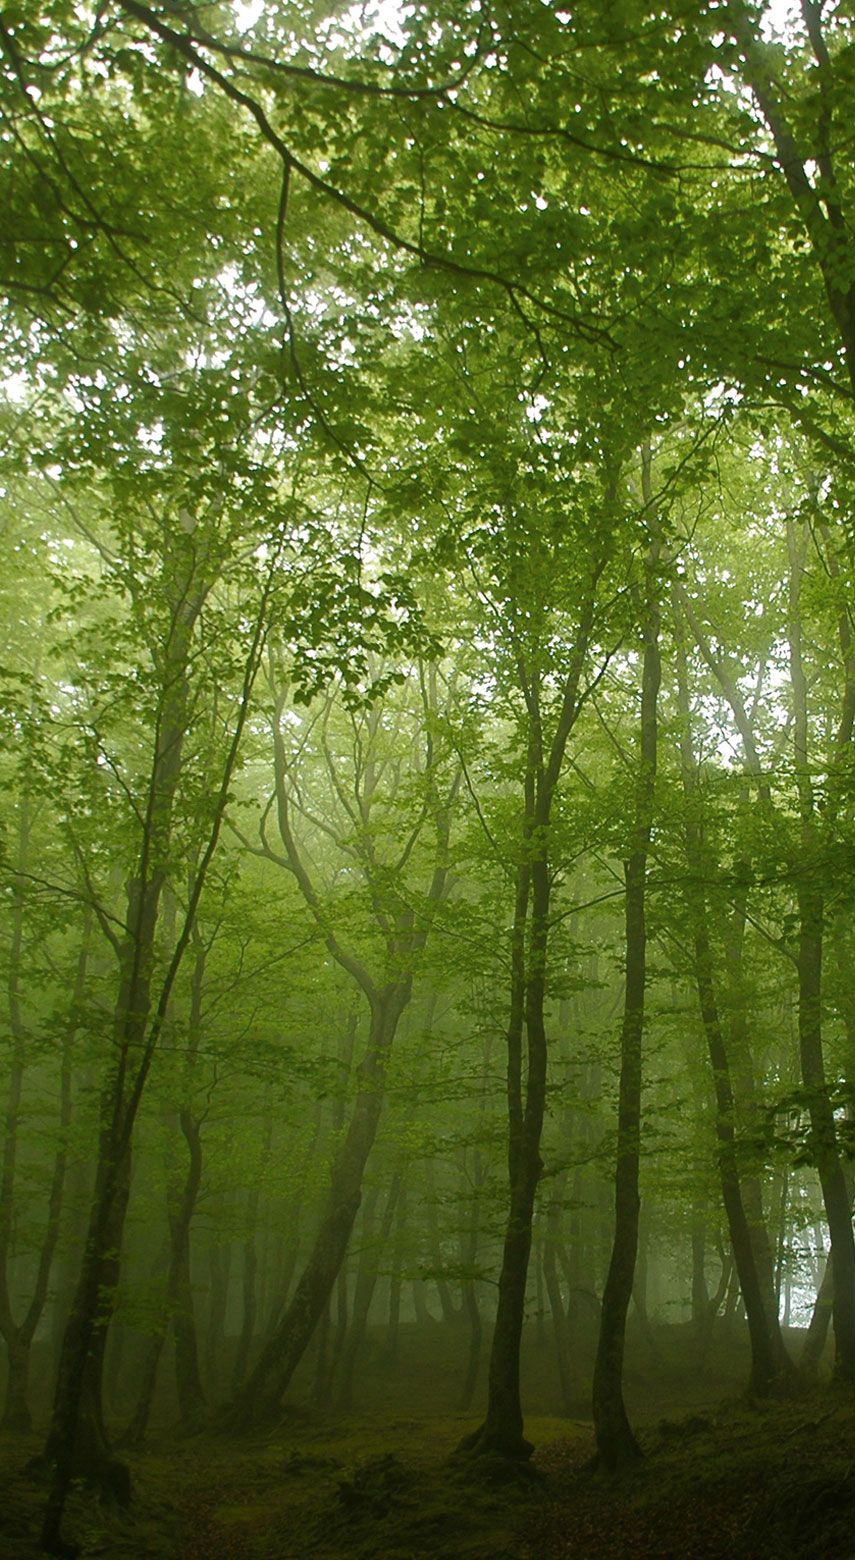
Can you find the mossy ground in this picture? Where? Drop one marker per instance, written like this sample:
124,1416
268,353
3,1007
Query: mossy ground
382,1484
738,1484
321,1485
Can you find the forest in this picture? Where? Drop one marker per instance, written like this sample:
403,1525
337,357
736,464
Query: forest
427,779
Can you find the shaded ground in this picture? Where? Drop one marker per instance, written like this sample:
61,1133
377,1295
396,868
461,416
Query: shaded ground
737,1485
378,1485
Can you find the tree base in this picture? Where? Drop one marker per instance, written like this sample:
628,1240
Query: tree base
490,1456
788,1382
98,1470
61,1547
238,1418
616,1455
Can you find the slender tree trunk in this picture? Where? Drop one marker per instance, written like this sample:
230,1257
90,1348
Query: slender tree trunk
259,1398
396,1283
640,1285
76,1441
404,937
16,1412
771,1368
469,1288
820,1320
248,1278
366,1279
18,1336
135,1433
700,1294
321,1383
718,1299
781,1241
342,1317
297,1202
616,1443
219,1267
733,1299
823,1130
812,866
178,1305
502,1430
181,1210
330,1340
743,1081
472,1311
540,1297
420,1305
188,1375
817,1332
556,1306
503,1426
446,1304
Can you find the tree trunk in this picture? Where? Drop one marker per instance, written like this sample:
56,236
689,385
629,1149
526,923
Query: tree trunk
220,1262
616,1443
820,1320
640,1286
188,1376
76,1441
295,1207
743,1080
259,1398
396,1283
502,1430
18,1336
16,1411
321,1383
469,1288
700,1293
405,936
823,1129
249,1269
771,1367
556,1306
446,1304
816,841
366,1279
135,1433
420,1305
472,1312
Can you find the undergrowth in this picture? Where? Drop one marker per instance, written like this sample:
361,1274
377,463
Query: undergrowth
738,1483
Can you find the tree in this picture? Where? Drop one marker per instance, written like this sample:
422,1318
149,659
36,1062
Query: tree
400,922
616,1443
771,1367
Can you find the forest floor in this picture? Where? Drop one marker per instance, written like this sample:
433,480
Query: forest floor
718,1481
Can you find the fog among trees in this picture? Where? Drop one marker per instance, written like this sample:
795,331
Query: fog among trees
427,689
